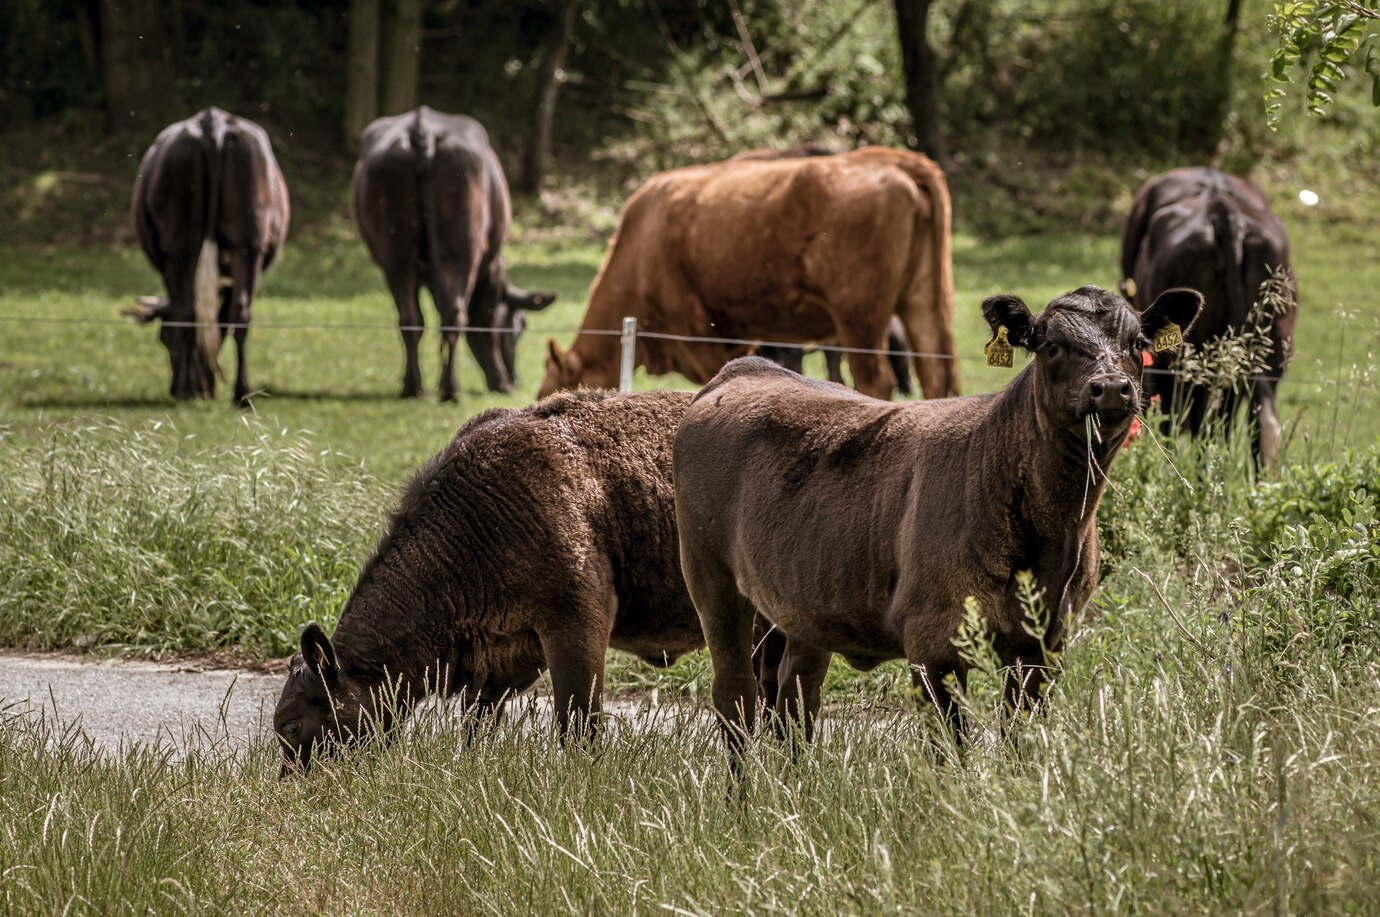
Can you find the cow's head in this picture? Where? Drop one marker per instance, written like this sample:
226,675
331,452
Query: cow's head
513,312
321,706
1088,346
564,369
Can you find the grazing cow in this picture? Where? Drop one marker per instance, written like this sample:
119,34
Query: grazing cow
211,211
432,205
861,527
793,358
537,538
1213,232
798,250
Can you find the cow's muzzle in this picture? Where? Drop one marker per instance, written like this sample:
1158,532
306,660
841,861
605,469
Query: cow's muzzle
1109,393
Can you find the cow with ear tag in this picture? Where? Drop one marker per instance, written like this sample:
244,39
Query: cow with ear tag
861,527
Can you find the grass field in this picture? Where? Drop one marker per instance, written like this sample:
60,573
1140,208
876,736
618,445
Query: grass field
1209,753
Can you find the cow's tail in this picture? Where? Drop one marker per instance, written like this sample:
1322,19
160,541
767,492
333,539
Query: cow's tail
1229,239
942,379
423,141
207,282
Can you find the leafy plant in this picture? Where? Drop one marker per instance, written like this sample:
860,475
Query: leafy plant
1322,37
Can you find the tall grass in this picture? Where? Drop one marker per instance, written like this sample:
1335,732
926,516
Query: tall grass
144,539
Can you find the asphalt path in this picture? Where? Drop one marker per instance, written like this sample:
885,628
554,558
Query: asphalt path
117,702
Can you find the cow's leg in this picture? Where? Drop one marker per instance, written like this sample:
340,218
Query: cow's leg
191,374
575,656
900,365
727,617
767,651
929,334
833,364
245,268
871,373
790,357
933,659
1267,425
801,676
403,286
449,308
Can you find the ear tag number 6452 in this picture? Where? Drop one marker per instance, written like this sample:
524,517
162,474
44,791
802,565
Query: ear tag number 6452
1168,337
998,350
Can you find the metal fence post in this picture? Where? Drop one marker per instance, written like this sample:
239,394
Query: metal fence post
629,342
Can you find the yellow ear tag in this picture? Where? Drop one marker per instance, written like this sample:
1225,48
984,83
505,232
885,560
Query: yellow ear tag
998,350
1168,337
1130,288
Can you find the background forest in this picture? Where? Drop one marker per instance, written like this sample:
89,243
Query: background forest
1038,109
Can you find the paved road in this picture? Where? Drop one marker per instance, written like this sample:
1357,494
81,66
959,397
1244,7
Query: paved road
119,701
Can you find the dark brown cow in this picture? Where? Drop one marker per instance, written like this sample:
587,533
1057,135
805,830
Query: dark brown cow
1213,232
211,211
798,250
537,538
861,527
432,205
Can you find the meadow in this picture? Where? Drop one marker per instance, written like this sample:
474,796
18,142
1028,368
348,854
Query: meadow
1208,747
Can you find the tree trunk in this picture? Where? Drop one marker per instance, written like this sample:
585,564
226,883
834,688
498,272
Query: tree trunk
548,84
136,68
922,82
402,38
362,69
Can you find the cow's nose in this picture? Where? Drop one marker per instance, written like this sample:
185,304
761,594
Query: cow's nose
1110,392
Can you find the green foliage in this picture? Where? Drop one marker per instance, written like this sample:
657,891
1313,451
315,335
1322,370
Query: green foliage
1321,39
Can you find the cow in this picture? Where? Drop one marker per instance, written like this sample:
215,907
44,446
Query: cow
211,212
861,527
537,539
1213,232
796,250
432,205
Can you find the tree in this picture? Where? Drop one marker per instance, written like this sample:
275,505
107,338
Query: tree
136,68
362,68
1328,33
548,84
402,39
921,76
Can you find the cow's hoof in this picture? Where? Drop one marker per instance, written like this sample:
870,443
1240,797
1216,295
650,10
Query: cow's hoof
411,393
448,396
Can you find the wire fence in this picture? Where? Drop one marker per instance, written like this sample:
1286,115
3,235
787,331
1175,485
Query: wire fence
628,335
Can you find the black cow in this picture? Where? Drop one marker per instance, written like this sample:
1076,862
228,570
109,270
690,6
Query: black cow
1215,233
211,211
432,205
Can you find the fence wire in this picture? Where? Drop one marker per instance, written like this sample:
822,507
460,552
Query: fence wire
135,322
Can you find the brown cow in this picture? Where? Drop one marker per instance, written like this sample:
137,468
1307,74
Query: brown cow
1213,232
861,527
211,211
538,538
798,250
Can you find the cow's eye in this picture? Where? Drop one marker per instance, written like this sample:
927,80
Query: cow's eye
292,730
1140,345
1052,349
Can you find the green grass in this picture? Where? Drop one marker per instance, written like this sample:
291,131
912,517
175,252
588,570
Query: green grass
1226,768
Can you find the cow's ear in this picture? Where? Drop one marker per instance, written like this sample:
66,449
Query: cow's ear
1179,306
554,358
1011,312
318,652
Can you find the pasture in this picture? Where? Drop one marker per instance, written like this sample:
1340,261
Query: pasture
1207,751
